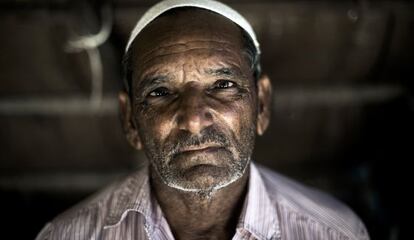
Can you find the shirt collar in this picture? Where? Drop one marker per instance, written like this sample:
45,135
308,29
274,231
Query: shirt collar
134,195
259,215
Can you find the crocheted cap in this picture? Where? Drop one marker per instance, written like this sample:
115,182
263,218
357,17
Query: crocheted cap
214,6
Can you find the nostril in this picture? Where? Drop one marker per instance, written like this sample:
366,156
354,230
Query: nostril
180,118
208,116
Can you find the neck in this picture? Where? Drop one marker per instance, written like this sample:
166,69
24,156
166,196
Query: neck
201,216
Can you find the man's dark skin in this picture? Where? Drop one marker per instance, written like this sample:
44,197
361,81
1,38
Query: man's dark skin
191,78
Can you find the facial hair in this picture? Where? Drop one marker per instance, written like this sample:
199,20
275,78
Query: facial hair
234,157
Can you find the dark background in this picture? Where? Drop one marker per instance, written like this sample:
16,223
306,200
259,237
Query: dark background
342,116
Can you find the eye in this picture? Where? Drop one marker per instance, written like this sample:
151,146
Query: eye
159,92
223,84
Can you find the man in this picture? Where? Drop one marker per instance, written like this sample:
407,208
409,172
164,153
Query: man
195,100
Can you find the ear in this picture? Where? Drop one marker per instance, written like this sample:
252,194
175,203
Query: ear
264,94
128,125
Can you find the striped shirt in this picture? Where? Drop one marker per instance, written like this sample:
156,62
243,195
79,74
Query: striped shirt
275,207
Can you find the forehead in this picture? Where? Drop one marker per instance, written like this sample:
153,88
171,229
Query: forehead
184,30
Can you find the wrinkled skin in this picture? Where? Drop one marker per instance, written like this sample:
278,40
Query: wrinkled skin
195,110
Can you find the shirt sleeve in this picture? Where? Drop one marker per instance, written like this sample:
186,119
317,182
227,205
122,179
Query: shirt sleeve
45,233
363,233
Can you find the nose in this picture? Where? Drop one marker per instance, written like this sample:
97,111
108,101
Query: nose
194,114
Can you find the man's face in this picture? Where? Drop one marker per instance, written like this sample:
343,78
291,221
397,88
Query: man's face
194,100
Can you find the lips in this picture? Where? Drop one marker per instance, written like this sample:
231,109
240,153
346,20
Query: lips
197,155
189,151
198,149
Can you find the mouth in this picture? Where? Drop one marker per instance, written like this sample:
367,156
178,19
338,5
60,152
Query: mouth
191,156
199,149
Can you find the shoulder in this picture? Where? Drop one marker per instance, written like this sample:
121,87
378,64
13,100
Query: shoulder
89,216
74,220
311,206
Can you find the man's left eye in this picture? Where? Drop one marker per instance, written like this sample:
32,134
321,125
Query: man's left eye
222,84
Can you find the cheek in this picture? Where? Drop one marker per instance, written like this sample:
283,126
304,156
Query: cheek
237,116
155,126
164,127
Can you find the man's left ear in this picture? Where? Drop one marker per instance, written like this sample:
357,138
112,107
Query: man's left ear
264,94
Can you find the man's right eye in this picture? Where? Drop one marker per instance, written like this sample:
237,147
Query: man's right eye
159,92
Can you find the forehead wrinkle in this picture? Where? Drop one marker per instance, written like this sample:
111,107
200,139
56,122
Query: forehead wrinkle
182,43
146,61
162,68
221,57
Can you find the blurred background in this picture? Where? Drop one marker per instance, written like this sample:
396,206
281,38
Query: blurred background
342,116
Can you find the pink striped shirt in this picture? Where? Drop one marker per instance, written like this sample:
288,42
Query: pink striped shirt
275,208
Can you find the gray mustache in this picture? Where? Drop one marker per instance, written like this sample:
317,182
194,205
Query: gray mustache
185,139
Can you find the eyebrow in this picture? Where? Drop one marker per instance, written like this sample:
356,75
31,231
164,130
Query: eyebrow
149,81
223,72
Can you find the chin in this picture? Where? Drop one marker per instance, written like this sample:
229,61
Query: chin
203,178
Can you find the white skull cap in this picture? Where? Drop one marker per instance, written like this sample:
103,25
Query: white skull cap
211,5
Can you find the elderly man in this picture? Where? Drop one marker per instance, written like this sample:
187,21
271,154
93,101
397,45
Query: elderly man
194,101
